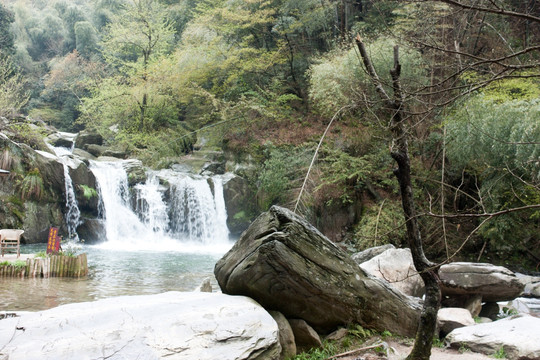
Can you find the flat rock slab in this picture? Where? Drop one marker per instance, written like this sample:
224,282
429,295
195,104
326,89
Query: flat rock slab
493,283
287,265
174,325
519,336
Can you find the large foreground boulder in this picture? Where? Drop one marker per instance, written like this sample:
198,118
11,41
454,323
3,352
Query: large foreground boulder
172,325
519,336
287,265
493,283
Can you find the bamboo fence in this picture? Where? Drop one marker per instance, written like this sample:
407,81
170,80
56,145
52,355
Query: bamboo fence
50,266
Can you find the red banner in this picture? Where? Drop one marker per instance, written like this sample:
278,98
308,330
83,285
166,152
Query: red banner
53,244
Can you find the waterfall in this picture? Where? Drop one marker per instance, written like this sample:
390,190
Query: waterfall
184,215
72,215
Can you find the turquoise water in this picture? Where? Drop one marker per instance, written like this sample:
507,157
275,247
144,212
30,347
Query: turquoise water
111,273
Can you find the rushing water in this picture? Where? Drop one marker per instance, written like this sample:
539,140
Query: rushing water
158,238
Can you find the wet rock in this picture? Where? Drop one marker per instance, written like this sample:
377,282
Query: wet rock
206,286
120,154
96,150
135,171
59,139
238,197
287,265
172,325
85,138
92,231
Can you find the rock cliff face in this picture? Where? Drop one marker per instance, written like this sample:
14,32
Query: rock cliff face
31,195
287,265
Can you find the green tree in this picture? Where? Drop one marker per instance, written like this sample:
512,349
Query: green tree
138,36
6,37
12,93
86,39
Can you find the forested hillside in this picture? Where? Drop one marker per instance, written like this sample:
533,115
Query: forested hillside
262,80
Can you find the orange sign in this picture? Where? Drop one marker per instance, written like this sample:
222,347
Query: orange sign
53,244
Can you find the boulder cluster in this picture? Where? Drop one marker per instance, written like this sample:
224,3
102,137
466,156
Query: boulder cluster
285,288
290,268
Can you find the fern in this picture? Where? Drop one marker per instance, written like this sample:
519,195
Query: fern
31,186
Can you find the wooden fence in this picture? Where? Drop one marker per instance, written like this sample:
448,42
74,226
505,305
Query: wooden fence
50,266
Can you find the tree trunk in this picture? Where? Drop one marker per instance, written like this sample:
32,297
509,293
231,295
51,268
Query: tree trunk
400,153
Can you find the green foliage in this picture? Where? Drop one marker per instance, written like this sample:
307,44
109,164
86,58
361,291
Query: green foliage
41,254
498,143
381,224
13,95
345,172
31,186
507,312
339,79
4,263
88,192
324,353
71,249
86,39
282,173
361,333
513,89
6,37
500,354
19,264
438,342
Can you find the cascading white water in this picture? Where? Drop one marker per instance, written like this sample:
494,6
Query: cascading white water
150,205
186,217
72,215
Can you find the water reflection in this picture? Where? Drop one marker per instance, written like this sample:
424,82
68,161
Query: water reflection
111,273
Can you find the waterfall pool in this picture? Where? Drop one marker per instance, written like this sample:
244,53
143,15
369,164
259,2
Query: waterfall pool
112,273
158,238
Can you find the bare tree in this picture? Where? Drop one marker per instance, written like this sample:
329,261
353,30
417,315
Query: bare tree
395,107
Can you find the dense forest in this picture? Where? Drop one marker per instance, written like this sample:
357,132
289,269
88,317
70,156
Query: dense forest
263,80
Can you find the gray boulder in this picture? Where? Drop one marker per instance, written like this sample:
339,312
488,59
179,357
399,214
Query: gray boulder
135,171
449,319
531,285
238,197
493,283
287,265
305,337
396,267
286,335
86,138
172,325
368,254
60,139
95,149
519,336
92,231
